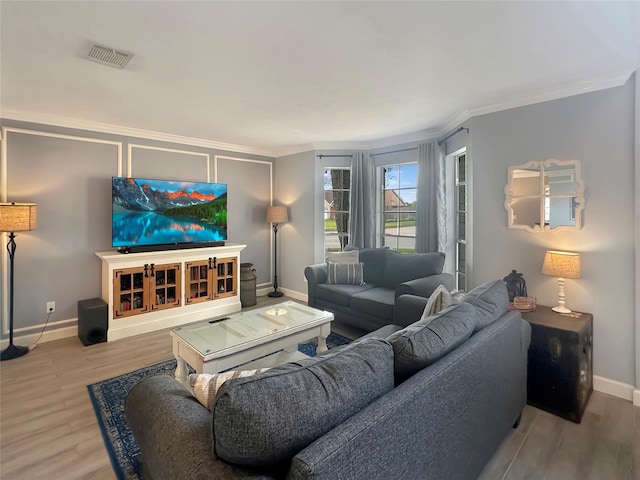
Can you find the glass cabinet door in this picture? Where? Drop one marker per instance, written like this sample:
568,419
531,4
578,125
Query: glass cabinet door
227,277
198,281
130,291
165,286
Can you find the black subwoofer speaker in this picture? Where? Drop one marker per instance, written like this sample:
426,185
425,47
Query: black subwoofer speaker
93,321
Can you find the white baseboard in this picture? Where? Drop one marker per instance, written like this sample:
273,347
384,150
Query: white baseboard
616,389
293,294
262,292
47,336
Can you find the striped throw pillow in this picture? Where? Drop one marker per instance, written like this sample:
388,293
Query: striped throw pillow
206,385
439,300
345,273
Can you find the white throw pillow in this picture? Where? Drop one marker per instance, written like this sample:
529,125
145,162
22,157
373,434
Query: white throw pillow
352,256
439,300
206,385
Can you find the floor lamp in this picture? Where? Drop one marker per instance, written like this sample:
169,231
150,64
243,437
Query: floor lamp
276,215
15,217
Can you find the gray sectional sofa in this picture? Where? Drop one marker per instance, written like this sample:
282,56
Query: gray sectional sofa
433,400
387,275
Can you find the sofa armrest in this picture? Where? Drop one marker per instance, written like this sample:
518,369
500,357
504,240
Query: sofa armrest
173,431
408,309
315,275
424,287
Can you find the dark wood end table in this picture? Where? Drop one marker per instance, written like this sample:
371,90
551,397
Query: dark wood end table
560,370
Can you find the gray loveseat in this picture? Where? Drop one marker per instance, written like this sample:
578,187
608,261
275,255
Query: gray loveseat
387,275
368,410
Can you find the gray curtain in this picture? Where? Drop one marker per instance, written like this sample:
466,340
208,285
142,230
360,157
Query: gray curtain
362,206
431,232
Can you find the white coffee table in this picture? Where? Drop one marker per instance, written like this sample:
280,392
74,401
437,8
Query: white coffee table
211,346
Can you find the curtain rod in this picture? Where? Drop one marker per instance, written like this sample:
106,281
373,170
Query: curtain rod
440,142
332,156
395,151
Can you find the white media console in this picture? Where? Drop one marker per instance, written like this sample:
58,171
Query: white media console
149,291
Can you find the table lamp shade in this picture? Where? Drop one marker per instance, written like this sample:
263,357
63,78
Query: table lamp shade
18,217
277,214
562,264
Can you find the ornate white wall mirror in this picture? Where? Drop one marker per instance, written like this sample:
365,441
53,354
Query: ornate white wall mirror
547,195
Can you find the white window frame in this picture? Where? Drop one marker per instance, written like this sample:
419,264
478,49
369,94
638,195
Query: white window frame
380,193
324,212
452,186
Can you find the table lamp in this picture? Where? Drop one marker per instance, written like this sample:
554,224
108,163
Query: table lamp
562,265
276,215
15,217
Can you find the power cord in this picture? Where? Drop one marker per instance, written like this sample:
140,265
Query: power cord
35,344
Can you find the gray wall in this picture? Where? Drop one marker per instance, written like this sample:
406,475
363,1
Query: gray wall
295,188
596,129
249,195
70,180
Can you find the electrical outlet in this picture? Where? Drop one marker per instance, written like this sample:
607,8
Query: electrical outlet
51,307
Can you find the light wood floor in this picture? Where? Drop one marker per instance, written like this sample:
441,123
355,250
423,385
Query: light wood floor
48,428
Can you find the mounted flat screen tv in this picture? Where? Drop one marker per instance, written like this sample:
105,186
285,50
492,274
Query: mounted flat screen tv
152,214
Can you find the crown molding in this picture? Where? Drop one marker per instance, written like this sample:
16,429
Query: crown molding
322,146
419,136
292,150
66,122
341,146
538,95
567,89
455,122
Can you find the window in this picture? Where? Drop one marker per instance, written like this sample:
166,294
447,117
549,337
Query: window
399,189
547,204
461,221
336,208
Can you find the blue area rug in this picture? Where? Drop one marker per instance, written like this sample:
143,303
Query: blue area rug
108,399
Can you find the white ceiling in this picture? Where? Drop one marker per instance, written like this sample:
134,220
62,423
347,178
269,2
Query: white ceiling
276,77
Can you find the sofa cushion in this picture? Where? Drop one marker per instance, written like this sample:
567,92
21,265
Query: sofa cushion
339,294
377,301
491,299
383,332
374,260
266,419
344,273
402,267
422,343
350,256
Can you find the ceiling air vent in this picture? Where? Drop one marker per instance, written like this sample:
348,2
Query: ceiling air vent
109,56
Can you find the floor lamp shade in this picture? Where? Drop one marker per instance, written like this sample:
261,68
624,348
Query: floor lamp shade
15,217
276,214
562,265
18,217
